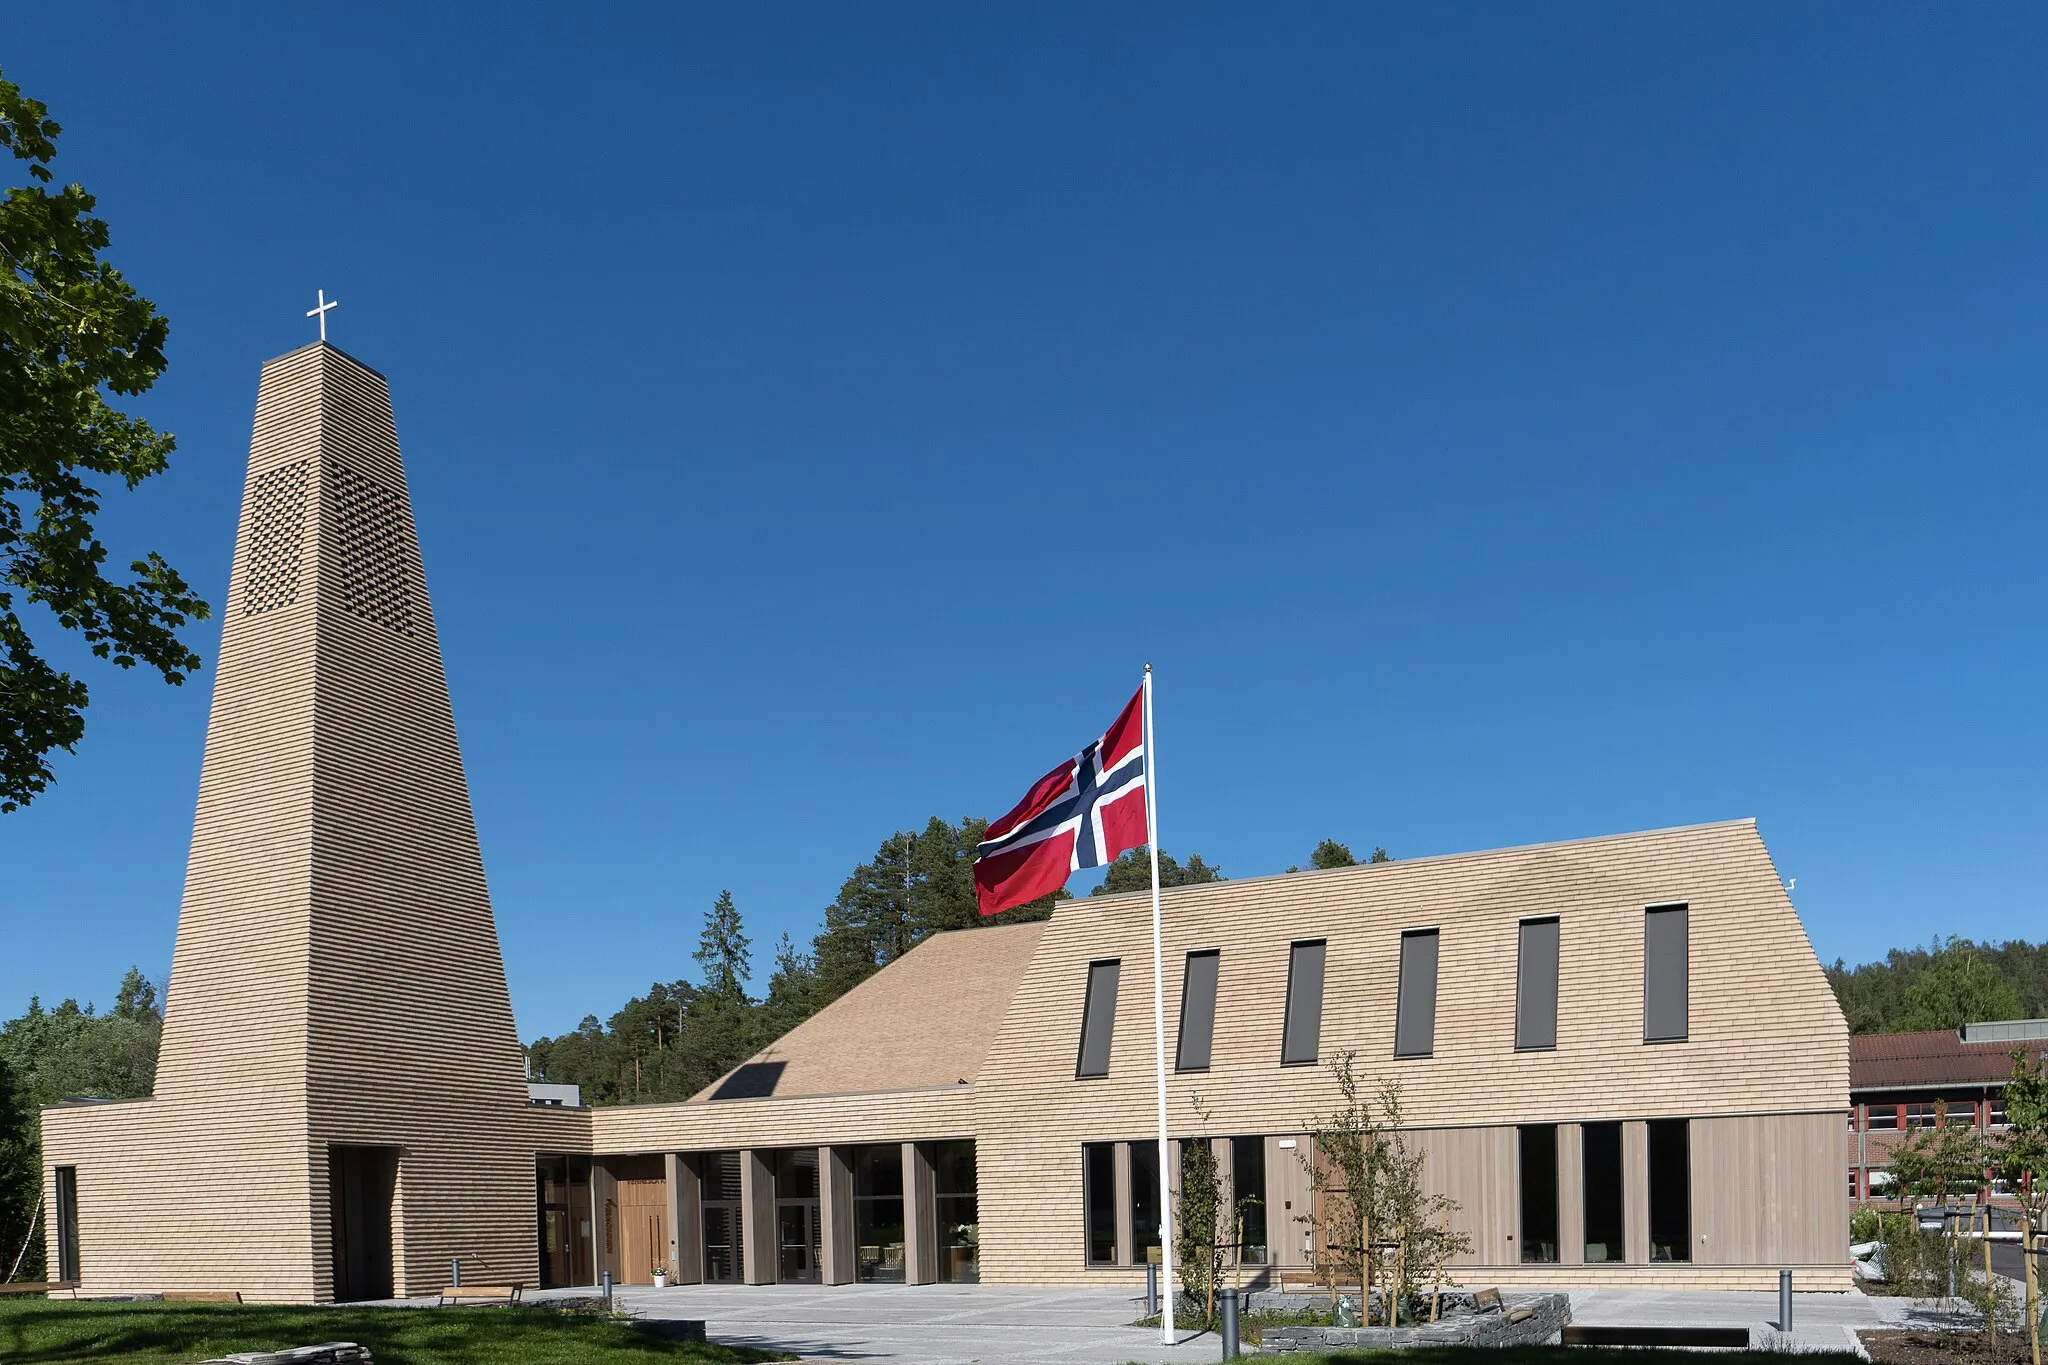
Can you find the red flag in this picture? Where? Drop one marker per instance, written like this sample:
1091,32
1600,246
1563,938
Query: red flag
1081,814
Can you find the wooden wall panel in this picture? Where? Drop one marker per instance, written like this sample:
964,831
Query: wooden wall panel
1571,1194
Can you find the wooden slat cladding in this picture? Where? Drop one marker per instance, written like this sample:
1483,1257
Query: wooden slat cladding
337,976
1746,946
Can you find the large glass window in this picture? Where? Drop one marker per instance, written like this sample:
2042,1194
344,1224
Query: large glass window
1536,986
1415,997
1302,1039
798,1241
1098,1019
1197,1011
1098,1199
959,1212
1144,1201
1248,1198
67,1223
1670,1190
878,1214
1538,1143
1665,974
1601,1158
722,1223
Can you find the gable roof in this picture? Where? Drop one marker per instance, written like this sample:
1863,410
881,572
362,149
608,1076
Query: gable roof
925,1020
1936,1057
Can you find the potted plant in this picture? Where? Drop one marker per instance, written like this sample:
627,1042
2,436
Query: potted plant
661,1277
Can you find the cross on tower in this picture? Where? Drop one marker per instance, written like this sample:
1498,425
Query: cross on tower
321,312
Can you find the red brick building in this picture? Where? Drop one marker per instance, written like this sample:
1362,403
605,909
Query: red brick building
1897,1081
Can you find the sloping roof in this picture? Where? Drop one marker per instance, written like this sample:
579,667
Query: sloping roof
1889,1061
926,1019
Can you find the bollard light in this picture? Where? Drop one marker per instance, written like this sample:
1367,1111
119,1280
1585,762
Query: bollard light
1229,1309
1784,1301
1151,1289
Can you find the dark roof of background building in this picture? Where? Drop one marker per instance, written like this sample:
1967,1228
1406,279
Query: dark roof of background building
1936,1057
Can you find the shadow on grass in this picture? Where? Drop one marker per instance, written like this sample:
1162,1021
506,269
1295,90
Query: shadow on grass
35,1332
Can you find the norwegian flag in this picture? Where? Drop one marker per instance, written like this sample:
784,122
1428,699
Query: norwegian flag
1081,814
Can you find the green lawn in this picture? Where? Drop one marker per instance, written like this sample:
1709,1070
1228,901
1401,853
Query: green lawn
34,1331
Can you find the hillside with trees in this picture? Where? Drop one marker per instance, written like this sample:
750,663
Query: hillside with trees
1949,983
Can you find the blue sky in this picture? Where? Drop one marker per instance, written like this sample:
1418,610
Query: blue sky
1497,423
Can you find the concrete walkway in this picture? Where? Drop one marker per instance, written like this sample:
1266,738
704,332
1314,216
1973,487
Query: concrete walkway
1000,1325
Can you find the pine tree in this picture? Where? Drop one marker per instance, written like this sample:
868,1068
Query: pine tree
1329,853
723,950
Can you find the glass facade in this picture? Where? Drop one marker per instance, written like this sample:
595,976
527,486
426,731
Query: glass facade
797,1230
722,1230
1248,1198
1098,1198
878,1215
959,1212
1144,1201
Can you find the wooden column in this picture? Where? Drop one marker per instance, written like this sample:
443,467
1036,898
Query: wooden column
1635,1192
835,1214
920,1216
1571,1194
685,1219
604,1227
757,1217
1124,1232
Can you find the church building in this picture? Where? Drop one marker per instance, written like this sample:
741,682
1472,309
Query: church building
1619,1053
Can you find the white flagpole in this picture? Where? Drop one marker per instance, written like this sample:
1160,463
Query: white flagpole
1166,1333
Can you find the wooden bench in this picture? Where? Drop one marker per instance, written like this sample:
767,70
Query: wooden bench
41,1287
202,1296
479,1293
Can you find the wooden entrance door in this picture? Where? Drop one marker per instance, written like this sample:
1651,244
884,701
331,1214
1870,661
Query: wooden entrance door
360,1183
643,1230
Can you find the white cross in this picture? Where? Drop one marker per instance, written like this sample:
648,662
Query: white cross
321,312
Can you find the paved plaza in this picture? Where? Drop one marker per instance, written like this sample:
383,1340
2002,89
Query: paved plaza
968,1324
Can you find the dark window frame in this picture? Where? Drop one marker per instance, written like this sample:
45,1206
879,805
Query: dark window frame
1287,1021
1098,1193
1654,991
1556,968
1108,1022
65,1179
1180,1041
1434,933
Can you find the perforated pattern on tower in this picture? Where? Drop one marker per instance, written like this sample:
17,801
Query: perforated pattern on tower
375,552
277,527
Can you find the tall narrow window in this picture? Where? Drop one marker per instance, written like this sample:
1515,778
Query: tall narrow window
1536,986
1670,1190
1665,985
1144,1201
1602,1165
1248,1198
1539,1192
956,1196
1098,1198
1098,1019
1302,1039
1415,1000
67,1223
1197,1011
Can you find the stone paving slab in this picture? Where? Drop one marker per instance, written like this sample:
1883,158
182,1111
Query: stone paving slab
1005,1325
